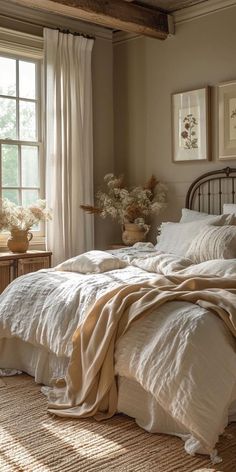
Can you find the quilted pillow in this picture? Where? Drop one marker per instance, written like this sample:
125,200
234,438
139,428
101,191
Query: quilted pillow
213,242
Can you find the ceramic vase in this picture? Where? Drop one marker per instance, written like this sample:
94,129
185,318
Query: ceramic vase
134,233
19,240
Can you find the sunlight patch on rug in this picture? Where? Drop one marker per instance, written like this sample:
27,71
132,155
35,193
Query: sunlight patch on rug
207,470
91,444
18,456
31,440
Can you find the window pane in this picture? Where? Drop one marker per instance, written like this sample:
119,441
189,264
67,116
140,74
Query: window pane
7,118
29,196
7,76
30,166
12,195
10,168
26,79
27,121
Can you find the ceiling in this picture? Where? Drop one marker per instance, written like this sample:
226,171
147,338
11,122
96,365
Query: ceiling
168,5
12,11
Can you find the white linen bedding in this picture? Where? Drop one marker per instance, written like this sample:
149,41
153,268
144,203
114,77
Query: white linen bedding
168,355
136,402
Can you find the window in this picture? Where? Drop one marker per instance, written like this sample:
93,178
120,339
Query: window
21,147
19,129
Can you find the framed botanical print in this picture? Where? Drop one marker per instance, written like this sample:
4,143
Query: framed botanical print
227,120
190,125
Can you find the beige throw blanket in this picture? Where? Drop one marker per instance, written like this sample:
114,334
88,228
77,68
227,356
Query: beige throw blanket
90,388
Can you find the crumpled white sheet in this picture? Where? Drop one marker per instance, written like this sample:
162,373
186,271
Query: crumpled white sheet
9,372
174,354
45,307
193,446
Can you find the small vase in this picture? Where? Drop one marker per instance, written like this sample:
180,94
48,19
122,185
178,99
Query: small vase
19,240
134,233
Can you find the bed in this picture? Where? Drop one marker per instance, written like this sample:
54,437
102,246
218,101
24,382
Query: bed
175,368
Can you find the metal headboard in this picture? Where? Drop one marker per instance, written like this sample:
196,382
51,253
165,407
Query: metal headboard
210,191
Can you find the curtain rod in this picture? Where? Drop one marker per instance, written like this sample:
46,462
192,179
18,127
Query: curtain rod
75,33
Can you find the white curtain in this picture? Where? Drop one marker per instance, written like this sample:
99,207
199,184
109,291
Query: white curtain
69,143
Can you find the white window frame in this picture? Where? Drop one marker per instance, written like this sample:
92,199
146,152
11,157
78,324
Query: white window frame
22,46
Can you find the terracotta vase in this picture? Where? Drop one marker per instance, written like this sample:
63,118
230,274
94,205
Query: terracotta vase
19,240
134,233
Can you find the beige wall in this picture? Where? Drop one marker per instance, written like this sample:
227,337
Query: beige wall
102,70
146,73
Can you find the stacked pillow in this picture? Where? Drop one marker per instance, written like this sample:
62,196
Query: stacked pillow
229,208
192,215
200,236
213,242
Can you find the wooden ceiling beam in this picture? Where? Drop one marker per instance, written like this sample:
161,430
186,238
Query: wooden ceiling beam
115,14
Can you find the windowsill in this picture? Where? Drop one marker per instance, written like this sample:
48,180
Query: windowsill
38,243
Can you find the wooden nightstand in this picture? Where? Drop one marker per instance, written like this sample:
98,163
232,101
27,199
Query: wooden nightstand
13,265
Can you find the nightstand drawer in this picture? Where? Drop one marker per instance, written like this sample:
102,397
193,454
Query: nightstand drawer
13,265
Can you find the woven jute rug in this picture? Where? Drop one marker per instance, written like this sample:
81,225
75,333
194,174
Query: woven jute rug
32,440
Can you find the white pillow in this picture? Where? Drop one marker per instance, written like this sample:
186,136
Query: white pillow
92,262
216,267
176,238
213,242
189,216
229,208
193,215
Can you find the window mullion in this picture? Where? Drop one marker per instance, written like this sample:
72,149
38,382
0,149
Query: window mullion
17,101
20,174
18,131
12,97
37,102
17,141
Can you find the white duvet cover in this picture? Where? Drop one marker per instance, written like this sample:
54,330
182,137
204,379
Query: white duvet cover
181,354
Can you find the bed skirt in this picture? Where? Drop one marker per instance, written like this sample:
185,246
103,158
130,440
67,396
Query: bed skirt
133,400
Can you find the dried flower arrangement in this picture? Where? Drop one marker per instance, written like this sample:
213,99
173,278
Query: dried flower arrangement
128,205
15,217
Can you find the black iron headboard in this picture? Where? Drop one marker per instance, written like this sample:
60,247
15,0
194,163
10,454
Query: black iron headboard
210,191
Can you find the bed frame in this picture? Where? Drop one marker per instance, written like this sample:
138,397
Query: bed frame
210,191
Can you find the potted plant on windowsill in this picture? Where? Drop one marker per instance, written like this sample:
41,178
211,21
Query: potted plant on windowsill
130,207
19,220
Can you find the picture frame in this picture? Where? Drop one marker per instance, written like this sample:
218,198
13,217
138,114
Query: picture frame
190,125
227,120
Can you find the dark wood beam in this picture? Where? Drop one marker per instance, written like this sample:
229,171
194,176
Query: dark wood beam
115,14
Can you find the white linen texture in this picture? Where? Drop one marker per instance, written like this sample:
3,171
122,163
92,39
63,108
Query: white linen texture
170,353
192,215
92,262
213,242
229,208
176,238
212,268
